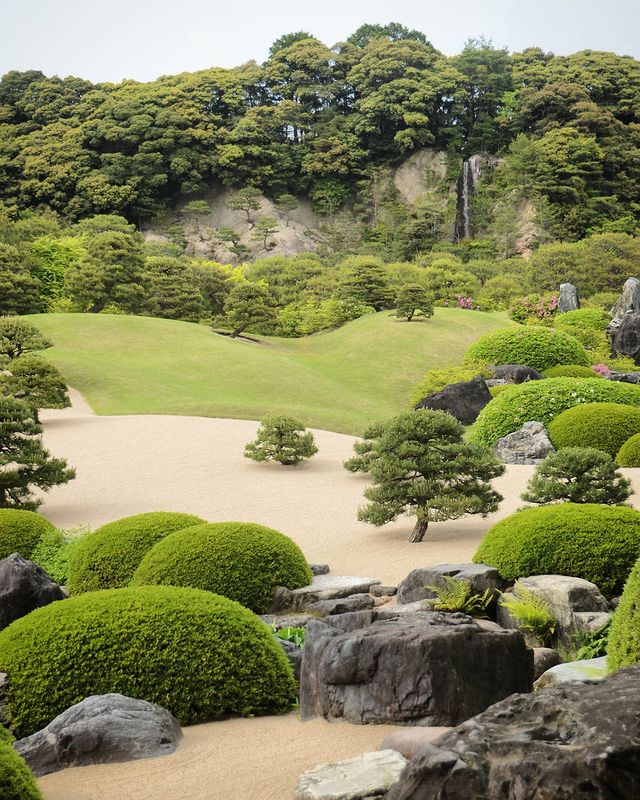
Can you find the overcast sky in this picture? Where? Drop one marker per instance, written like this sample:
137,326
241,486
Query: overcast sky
110,40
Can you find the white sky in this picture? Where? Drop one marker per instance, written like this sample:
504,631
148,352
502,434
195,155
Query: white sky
109,40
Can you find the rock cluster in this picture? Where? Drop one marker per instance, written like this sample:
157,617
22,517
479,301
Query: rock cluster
529,445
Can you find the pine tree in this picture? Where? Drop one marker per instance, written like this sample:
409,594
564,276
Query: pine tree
421,466
17,336
282,439
578,475
24,462
35,381
413,300
248,304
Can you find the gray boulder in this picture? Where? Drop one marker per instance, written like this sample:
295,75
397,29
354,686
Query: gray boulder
319,569
543,659
24,586
342,605
565,595
287,620
383,591
480,576
408,741
99,730
322,587
464,400
625,377
585,671
516,373
424,668
624,333
293,654
529,445
629,300
568,299
579,742
365,777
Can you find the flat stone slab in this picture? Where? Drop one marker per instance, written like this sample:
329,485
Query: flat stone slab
365,777
282,621
592,669
330,587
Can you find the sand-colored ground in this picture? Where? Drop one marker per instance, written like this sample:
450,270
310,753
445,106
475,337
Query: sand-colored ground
127,465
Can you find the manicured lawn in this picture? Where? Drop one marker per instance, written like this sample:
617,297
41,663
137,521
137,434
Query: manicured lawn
341,380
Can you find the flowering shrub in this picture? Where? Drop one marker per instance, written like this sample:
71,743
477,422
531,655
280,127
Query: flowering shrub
534,307
466,302
601,369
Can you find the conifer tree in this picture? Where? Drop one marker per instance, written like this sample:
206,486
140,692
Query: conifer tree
420,466
283,439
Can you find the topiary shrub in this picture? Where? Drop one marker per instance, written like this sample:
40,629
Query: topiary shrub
494,391
623,648
542,401
198,655
629,454
605,426
107,558
591,541
436,379
535,346
20,531
571,371
16,779
240,560
578,475
283,439
595,319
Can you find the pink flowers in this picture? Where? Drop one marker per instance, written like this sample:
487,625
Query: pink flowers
601,369
465,302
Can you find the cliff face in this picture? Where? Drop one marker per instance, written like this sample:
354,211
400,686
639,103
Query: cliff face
424,176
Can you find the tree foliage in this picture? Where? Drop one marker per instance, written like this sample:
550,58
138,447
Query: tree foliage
282,439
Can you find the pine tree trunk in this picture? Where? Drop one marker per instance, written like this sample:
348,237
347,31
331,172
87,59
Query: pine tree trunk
417,534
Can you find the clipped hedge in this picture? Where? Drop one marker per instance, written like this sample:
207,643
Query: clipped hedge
107,558
594,319
629,454
16,779
571,371
604,426
240,560
587,540
623,649
534,346
20,531
542,401
198,655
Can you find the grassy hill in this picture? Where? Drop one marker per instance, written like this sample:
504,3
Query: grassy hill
340,380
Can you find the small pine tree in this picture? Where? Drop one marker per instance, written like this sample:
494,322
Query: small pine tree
283,439
421,466
412,301
265,227
248,304
18,336
286,203
35,381
578,475
24,462
247,200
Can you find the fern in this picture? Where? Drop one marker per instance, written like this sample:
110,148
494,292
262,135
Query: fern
533,614
456,595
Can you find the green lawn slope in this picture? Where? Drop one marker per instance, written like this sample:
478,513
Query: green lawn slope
340,380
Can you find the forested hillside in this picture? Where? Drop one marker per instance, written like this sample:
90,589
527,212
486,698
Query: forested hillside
292,196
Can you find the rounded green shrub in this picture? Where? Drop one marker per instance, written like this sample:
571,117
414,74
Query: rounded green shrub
16,780
595,319
587,540
623,649
570,371
198,655
534,345
494,391
604,426
108,557
20,531
542,401
239,560
629,453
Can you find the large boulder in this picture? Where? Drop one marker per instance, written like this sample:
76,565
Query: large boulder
24,586
409,740
464,400
568,299
365,777
529,445
480,577
625,377
579,742
565,595
516,373
629,300
99,730
625,336
424,668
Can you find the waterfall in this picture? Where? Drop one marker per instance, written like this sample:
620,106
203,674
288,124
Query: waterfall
463,228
